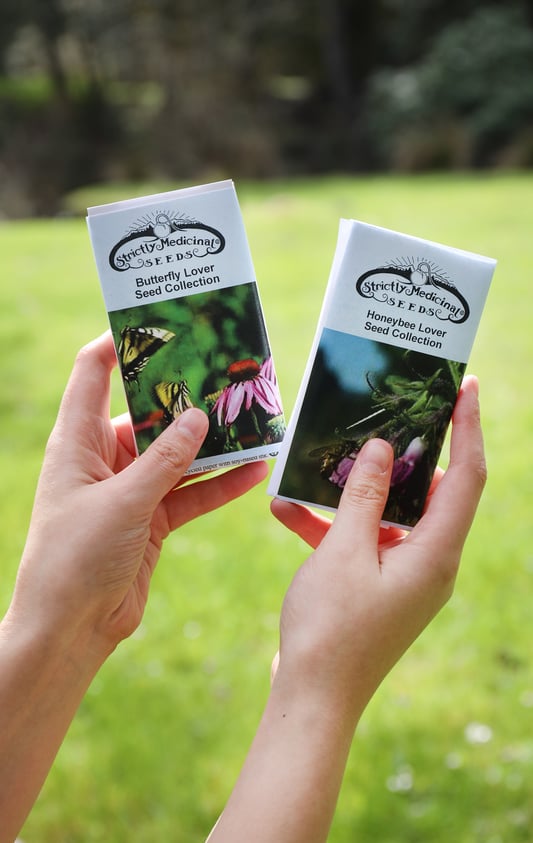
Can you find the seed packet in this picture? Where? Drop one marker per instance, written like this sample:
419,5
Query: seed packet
189,330
391,347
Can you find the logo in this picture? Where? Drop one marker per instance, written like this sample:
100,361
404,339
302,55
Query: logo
420,282
163,238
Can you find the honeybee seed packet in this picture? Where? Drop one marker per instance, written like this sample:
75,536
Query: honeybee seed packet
393,339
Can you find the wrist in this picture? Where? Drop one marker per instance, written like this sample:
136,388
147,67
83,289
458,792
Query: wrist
290,781
71,652
43,679
324,699
327,679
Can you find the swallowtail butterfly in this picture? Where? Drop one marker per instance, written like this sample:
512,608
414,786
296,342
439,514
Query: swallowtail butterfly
136,347
174,398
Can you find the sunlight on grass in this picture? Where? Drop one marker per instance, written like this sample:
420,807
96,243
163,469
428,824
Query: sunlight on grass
445,750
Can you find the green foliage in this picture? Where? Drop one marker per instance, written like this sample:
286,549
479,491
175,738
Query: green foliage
472,74
207,335
466,99
445,750
134,91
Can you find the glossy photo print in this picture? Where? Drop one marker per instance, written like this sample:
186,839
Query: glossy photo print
207,350
359,389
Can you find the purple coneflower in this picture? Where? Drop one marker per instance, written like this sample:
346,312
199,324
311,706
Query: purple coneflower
250,384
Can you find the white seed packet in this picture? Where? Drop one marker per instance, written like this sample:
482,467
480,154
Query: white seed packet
393,339
189,330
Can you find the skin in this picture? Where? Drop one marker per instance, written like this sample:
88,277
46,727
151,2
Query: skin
99,520
354,607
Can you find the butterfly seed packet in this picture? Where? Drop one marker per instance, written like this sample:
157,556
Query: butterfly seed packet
393,339
188,325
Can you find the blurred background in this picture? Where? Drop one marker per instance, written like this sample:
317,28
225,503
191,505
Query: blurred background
416,115
135,90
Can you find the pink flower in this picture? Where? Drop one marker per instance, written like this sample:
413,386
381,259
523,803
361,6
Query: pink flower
339,475
250,384
404,466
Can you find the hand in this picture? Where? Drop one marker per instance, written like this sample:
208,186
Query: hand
99,520
366,593
351,611
100,515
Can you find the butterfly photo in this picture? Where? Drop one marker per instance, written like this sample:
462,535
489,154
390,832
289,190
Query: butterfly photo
136,347
189,352
174,397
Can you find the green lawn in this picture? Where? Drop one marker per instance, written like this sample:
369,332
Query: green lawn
445,751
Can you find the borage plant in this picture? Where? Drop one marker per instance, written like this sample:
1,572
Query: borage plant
412,414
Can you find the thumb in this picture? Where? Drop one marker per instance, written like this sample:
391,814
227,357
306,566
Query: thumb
363,499
160,468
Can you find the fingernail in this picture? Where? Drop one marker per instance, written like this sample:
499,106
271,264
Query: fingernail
192,422
375,456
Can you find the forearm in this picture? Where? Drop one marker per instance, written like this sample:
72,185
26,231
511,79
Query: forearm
42,682
289,785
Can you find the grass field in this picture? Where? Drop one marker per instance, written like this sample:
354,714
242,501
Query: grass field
445,750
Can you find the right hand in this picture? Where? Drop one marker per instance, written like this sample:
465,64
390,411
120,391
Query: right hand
366,593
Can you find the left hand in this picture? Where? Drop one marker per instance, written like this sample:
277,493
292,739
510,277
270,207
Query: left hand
101,515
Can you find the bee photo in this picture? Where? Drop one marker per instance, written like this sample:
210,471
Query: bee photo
360,389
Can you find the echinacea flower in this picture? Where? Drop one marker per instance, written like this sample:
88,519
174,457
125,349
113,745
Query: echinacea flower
404,466
250,384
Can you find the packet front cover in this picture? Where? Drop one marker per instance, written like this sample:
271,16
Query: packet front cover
394,336
189,330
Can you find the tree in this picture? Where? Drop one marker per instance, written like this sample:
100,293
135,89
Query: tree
464,101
